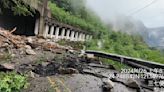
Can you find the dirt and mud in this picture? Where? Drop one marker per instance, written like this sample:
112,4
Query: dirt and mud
54,68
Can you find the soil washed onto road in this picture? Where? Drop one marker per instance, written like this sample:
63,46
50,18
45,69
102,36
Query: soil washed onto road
51,67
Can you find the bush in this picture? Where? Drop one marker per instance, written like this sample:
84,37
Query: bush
12,82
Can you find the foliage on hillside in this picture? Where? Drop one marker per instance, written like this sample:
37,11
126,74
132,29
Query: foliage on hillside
89,24
17,6
114,42
128,45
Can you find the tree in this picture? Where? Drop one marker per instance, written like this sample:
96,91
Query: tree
17,6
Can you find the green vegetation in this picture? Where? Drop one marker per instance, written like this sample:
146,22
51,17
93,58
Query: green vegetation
17,6
75,20
76,14
117,65
75,45
12,82
128,45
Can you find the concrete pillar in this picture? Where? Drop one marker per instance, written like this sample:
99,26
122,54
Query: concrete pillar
67,35
79,37
46,31
36,30
90,38
41,26
87,37
63,33
51,31
76,36
42,18
72,35
57,33
83,37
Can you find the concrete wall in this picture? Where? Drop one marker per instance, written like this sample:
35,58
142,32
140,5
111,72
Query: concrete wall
25,24
58,32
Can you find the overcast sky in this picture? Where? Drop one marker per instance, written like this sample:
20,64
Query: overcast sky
152,16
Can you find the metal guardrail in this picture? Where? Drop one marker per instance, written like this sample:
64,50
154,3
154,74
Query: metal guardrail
134,62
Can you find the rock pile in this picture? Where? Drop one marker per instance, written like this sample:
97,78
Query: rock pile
16,46
25,44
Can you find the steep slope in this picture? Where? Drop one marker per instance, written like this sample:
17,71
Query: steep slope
156,37
125,39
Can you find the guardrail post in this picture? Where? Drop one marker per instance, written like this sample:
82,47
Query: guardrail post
122,60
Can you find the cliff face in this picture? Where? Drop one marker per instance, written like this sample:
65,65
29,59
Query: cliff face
156,37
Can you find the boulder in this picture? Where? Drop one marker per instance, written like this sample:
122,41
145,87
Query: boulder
41,40
27,47
7,66
133,83
29,40
30,52
107,85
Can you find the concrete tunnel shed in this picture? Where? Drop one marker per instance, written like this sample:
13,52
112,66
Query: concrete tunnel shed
25,24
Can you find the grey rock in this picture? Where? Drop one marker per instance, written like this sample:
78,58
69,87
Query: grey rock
8,66
30,52
27,47
29,40
107,85
133,83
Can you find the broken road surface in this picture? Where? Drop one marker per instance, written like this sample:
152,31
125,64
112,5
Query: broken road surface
54,68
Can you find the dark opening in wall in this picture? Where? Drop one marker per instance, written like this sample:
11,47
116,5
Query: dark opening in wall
25,24
65,34
49,30
70,33
60,31
54,30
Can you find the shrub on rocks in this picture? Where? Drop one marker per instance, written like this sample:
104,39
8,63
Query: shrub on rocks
12,82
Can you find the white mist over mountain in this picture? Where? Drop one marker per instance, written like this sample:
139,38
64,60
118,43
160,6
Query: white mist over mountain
151,16
131,17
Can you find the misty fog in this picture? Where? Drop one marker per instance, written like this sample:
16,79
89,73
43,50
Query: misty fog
145,17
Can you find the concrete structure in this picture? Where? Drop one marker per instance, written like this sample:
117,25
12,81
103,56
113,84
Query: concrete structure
54,31
57,31
41,24
48,28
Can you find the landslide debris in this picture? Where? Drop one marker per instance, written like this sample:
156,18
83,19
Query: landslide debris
54,60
